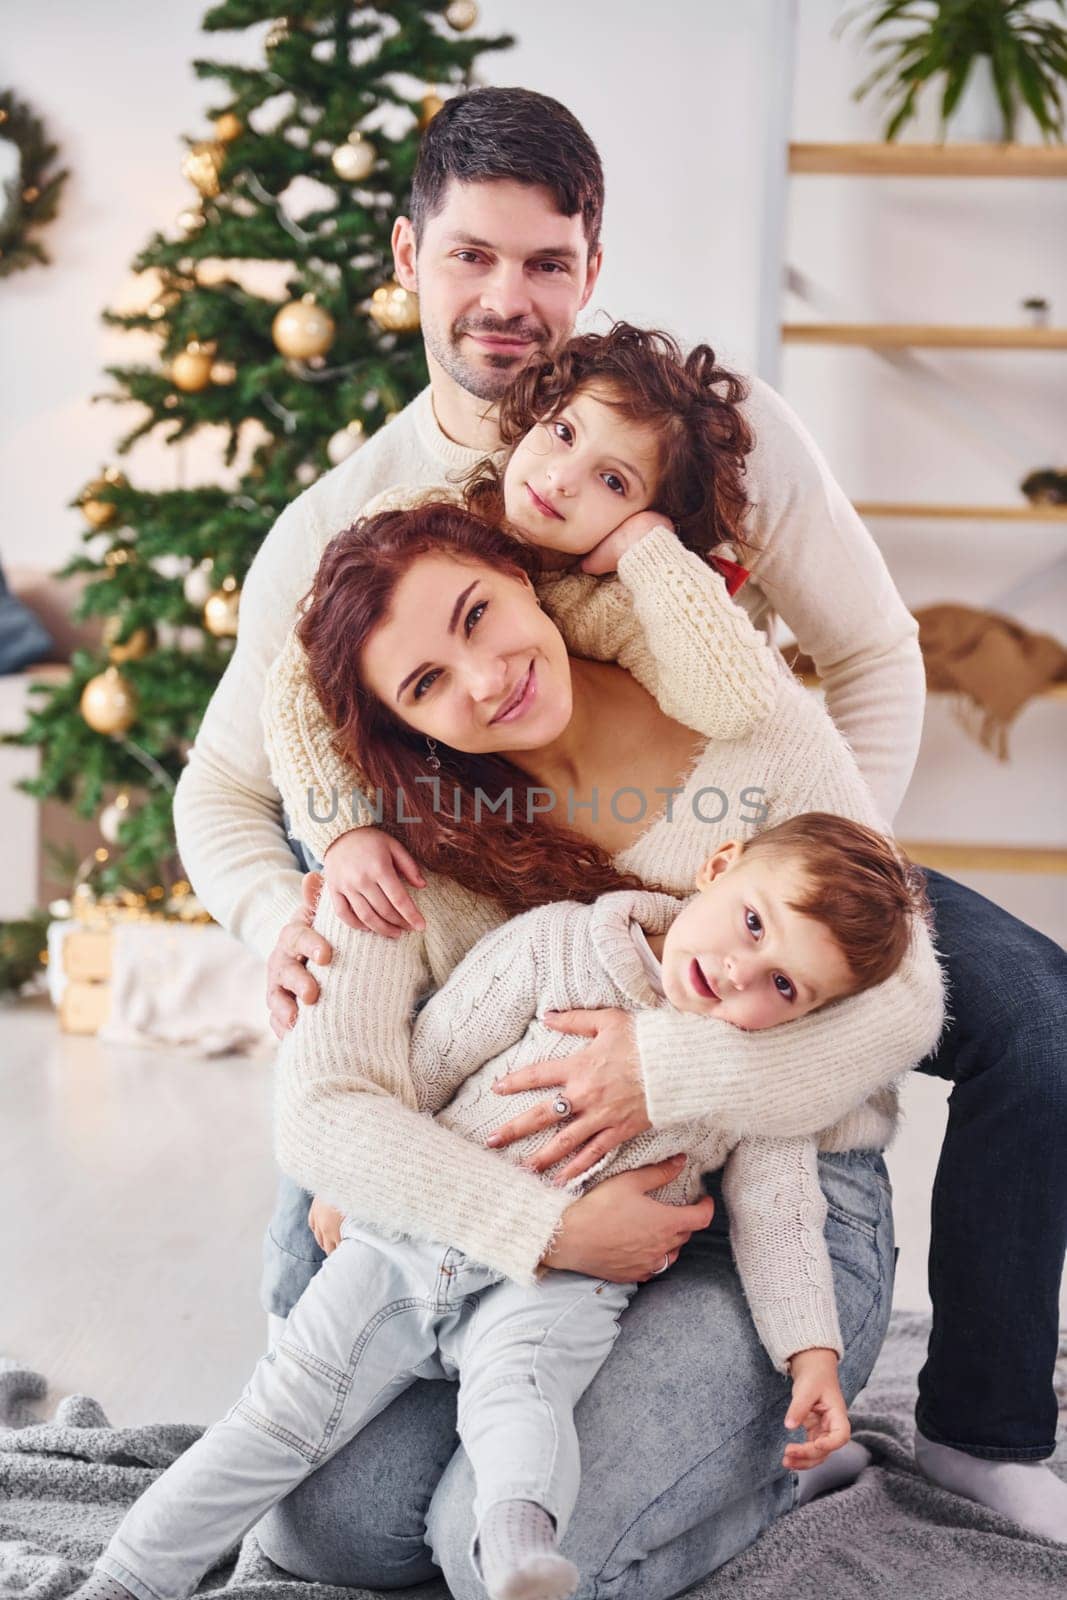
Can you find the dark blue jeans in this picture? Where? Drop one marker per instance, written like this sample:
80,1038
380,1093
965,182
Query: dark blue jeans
1000,1197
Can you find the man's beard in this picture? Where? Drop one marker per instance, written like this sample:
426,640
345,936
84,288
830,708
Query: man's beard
493,376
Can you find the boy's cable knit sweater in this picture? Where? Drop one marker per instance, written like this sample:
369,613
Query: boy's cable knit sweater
348,1124
486,1021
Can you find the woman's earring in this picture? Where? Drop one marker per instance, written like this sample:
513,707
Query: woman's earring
433,760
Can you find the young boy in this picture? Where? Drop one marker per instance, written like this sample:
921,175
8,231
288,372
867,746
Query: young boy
806,913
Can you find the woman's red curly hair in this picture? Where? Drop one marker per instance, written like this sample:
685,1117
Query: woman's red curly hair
520,864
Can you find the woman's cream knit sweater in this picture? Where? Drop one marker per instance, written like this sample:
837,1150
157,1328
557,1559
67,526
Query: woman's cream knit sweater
347,1121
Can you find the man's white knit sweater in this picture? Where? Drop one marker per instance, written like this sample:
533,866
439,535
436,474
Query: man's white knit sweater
486,1021
813,562
347,1119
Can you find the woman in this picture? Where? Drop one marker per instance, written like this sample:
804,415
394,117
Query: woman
439,596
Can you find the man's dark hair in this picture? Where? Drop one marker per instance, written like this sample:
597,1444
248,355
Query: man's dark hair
509,133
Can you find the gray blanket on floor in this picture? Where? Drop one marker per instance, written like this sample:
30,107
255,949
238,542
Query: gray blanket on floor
65,1484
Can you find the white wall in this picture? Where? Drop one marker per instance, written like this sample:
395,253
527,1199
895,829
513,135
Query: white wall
674,94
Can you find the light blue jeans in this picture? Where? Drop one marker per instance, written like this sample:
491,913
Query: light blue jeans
681,1432
379,1315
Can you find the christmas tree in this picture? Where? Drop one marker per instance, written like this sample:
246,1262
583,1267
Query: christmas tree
331,116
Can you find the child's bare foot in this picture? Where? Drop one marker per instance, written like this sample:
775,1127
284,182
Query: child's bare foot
519,1555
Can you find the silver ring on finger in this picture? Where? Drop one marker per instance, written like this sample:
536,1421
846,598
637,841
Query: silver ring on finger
561,1106
666,1264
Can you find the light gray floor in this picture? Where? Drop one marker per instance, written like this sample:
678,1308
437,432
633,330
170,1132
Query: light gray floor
134,1186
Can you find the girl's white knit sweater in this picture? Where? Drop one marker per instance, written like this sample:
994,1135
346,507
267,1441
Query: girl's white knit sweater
348,1123
486,1021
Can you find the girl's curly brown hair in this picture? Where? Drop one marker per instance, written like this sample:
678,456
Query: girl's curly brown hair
692,402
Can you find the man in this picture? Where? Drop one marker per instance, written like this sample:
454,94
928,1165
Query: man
503,246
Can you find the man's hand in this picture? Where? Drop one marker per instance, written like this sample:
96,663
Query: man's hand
605,556
288,979
325,1223
617,1232
817,1406
603,1084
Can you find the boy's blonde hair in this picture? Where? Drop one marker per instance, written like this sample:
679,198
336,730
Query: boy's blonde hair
861,887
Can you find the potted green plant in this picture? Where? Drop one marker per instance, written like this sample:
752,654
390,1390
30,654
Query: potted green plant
955,42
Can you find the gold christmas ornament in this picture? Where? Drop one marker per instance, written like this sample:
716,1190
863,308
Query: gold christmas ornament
190,370
346,441
220,612
303,329
117,557
99,513
395,309
223,372
277,34
202,165
189,221
461,15
431,105
228,127
109,702
354,160
140,641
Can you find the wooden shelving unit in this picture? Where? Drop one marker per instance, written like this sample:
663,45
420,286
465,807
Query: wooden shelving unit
943,161
930,160
985,857
928,336
949,513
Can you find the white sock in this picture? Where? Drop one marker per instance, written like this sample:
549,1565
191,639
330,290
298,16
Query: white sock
519,1554
100,1586
839,1469
1026,1491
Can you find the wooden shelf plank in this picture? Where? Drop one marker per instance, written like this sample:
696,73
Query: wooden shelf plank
961,513
1054,691
931,160
908,335
985,857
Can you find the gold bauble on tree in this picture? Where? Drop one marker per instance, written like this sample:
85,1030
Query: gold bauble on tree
303,329
431,105
190,370
99,513
461,15
228,127
202,165
220,612
354,160
140,641
109,702
395,309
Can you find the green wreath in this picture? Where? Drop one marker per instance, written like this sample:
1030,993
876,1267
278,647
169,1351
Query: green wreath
31,197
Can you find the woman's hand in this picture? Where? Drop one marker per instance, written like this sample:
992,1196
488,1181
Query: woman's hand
325,1223
605,556
603,1084
817,1406
617,1232
363,874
